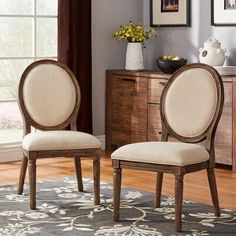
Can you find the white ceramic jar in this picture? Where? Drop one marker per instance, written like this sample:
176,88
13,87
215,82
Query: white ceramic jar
212,53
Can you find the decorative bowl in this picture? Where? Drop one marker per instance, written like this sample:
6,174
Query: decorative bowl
170,66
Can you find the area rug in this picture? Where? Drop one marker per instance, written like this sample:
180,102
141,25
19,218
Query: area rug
62,210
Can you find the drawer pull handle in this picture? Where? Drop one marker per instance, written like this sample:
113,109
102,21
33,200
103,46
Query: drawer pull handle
135,84
162,83
159,132
129,80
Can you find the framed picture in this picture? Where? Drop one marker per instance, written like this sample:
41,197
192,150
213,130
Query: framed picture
223,12
170,13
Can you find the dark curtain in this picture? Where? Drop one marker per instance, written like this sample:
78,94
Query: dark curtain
74,50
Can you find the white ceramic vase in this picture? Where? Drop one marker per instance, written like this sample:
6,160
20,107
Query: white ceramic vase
212,53
134,57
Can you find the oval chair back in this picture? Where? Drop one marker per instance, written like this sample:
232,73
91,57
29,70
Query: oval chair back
192,103
48,95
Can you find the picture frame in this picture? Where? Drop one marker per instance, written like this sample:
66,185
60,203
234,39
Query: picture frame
170,13
223,12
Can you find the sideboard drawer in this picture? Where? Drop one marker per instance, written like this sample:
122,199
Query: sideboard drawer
224,132
155,88
154,122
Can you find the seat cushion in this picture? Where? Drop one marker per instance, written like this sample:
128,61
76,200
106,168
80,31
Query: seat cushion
165,153
59,140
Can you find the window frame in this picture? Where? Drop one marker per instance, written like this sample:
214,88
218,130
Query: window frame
12,147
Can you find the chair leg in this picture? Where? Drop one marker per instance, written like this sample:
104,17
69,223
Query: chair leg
24,164
159,179
213,189
79,173
96,179
178,202
116,192
32,183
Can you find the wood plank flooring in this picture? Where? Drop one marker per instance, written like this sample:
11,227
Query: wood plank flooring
195,184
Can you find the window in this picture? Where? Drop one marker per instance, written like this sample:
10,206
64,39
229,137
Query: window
28,33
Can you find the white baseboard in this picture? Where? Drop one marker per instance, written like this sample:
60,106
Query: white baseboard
10,153
14,153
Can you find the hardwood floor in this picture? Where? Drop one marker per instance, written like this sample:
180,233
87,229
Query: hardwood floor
195,184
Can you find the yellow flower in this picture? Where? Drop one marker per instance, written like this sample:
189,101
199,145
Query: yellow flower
134,32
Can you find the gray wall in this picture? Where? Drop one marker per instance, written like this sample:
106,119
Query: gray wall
186,41
108,53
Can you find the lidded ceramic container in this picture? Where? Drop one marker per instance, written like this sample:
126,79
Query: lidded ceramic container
212,53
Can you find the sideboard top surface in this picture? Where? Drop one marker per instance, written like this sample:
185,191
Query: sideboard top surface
155,74
143,73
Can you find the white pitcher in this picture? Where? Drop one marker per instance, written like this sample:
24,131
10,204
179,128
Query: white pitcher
134,57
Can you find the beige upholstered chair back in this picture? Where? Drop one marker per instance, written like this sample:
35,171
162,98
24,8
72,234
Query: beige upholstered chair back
49,95
192,102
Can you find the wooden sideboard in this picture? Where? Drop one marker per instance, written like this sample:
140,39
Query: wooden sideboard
133,112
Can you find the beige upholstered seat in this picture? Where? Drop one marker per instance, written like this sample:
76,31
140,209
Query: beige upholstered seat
59,140
190,108
165,153
49,99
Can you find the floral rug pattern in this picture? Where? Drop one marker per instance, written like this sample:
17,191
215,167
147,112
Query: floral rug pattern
62,210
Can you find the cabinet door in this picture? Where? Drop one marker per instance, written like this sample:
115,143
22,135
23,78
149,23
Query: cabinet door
155,88
128,110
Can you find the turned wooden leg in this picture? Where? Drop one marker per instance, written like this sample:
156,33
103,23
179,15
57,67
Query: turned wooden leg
178,202
24,164
116,193
32,183
213,189
96,179
159,179
79,173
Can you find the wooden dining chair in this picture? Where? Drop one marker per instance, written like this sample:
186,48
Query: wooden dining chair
49,99
191,106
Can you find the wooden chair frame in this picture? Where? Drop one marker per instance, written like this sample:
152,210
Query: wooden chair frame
178,171
32,156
